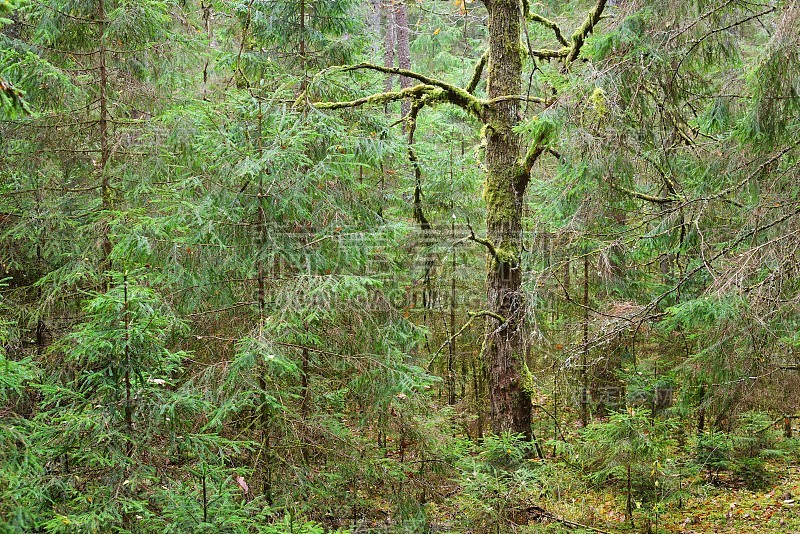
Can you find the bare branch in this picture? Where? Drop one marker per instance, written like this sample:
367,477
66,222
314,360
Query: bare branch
640,196
485,242
487,313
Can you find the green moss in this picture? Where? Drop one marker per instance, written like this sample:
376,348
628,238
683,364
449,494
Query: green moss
508,254
501,205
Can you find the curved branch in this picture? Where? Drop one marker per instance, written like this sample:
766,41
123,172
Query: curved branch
524,174
547,54
455,95
585,29
382,98
641,196
549,24
419,214
485,242
487,313
476,75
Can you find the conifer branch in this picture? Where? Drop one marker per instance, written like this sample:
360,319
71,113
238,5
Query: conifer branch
727,191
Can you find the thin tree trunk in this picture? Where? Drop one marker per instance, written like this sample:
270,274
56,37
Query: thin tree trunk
510,403
403,49
105,150
127,378
388,43
374,22
451,348
585,348
261,238
304,82
206,8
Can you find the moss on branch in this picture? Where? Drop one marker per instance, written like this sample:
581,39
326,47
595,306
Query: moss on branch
430,90
485,242
476,74
452,93
569,52
549,24
522,98
547,54
381,98
579,37
524,172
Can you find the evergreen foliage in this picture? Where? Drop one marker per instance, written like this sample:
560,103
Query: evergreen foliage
249,285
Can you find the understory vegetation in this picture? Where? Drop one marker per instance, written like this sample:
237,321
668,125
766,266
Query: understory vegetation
352,266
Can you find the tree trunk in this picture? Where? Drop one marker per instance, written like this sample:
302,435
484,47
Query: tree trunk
388,45
510,403
403,49
374,24
105,149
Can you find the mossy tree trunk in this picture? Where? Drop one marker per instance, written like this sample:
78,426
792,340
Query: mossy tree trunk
510,403
508,167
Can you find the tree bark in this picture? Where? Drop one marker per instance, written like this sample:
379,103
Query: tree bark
510,403
403,50
388,44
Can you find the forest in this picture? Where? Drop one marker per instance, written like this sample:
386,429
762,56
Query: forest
474,266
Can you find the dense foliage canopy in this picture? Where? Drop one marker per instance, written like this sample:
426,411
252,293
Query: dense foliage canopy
403,265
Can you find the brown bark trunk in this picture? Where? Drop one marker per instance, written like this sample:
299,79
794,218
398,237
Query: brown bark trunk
105,150
585,348
388,43
374,23
403,49
510,403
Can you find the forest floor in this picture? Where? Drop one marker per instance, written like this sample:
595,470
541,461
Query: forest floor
711,508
